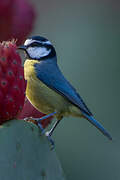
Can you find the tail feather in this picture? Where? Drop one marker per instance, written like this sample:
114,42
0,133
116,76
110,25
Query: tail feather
93,121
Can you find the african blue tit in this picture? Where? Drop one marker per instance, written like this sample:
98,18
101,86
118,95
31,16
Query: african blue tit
47,89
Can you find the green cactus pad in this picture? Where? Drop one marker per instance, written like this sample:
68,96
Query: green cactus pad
25,155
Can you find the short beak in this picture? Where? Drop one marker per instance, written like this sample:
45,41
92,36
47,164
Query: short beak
22,47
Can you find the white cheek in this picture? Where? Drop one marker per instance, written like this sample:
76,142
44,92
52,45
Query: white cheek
38,52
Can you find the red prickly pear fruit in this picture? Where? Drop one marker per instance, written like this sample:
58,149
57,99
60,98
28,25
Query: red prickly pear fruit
16,20
23,20
29,111
12,90
5,6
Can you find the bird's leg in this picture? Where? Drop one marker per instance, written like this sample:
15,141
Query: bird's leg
42,118
49,133
39,120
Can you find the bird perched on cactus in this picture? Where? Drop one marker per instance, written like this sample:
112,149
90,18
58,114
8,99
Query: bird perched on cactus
12,82
47,88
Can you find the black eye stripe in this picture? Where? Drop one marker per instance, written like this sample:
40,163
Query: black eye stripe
35,44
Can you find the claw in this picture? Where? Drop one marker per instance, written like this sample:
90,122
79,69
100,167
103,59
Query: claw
26,119
39,123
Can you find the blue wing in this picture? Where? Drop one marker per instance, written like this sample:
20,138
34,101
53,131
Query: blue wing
51,75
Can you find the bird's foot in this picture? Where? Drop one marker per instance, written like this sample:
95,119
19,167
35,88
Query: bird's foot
28,119
34,119
43,117
31,119
48,135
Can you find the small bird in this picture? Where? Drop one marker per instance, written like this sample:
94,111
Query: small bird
47,89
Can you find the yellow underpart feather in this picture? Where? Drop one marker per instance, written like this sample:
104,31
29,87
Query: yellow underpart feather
44,98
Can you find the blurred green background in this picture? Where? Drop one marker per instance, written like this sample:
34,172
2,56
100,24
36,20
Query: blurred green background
86,35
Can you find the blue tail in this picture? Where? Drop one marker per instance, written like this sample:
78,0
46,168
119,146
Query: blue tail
93,121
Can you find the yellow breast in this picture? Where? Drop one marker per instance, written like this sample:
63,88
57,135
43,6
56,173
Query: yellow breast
42,97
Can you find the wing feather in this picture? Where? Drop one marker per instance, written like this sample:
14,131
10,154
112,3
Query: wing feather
51,75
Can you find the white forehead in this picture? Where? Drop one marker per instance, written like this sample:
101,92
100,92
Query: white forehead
29,41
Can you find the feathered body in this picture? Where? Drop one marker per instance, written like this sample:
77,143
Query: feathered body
44,98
